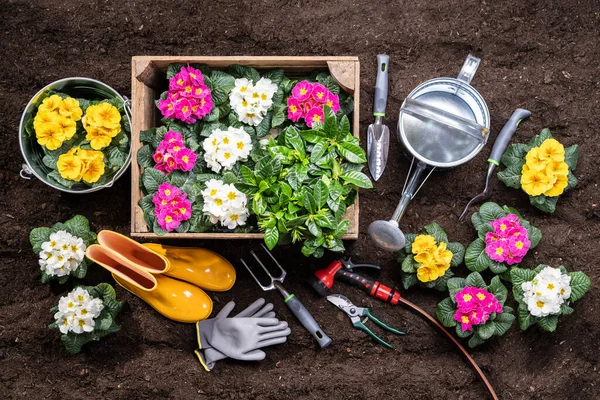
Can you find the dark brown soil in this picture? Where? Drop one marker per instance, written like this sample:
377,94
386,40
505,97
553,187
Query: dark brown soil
539,55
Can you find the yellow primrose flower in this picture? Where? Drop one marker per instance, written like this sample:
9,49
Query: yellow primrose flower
103,114
97,140
551,149
68,126
423,243
557,168
427,274
44,117
50,136
89,155
534,159
94,170
558,187
535,182
50,104
70,166
425,258
70,108
442,256
109,132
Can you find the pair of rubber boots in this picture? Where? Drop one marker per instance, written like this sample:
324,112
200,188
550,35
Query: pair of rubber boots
148,271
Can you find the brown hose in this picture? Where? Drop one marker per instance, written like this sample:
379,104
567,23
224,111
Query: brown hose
424,314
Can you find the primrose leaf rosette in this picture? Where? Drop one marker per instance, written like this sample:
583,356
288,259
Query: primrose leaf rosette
543,169
546,293
61,249
476,310
504,238
86,314
426,258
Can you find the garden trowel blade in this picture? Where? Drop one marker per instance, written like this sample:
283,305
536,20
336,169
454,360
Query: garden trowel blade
378,143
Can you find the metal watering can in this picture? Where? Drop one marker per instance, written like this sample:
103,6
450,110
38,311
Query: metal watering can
443,123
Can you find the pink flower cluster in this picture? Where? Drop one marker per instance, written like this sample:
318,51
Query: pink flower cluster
474,307
508,242
307,101
171,206
172,154
188,98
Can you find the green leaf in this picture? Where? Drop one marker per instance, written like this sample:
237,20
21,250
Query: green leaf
271,237
55,176
445,311
543,203
222,83
318,151
357,178
248,176
173,69
73,342
511,176
293,139
571,181
498,289
458,253
330,124
503,322
515,155
312,136
240,71
525,318
144,156
209,128
539,139
313,228
462,334
229,178
475,257
341,228
435,230
310,203
475,340
152,179
409,265
264,127
571,157
497,267
37,237
548,323
78,226
259,206
343,128
566,310
475,279
455,285
491,211
477,221
486,330
296,175
533,234
279,115
321,193
275,75
580,284
352,153
441,283
408,280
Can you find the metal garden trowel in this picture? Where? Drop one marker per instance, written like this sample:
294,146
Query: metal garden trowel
378,134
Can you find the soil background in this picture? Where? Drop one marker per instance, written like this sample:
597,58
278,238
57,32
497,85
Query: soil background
539,55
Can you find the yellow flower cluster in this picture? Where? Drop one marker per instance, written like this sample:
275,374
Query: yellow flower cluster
102,122
434,259
78,164
56,121
545,171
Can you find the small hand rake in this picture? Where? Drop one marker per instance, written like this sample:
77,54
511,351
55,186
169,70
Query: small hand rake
293,303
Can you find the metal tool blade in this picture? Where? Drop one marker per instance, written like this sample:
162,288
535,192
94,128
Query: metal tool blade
378,144
340,301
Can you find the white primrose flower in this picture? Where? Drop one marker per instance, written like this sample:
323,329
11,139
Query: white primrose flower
225,204
64,321
81,325
234,198
251,116
62,254
540,306
224,148
212,188
234,217
77,311
548,290
226,156
80,295
251,102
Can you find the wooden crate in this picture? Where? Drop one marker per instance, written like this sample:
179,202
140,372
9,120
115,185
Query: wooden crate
149,80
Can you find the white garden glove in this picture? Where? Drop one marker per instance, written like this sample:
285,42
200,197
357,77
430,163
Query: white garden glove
241,336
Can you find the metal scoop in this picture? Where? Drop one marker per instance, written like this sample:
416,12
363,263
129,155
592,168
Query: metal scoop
293,303
500,146
378,134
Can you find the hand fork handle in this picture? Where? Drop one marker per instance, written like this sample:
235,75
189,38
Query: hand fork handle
307,320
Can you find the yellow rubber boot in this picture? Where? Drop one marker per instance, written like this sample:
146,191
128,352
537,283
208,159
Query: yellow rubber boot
201,267
176,300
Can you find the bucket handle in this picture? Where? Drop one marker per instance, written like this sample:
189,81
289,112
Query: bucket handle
467,72
25,172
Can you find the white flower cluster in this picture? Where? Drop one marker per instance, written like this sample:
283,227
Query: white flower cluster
251,102
547,292
222,149
62,254
77,311
225,204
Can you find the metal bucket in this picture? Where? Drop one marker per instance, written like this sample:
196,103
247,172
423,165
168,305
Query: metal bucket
443,123
89,89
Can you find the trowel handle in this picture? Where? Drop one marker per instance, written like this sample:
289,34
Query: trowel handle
381,85
506,134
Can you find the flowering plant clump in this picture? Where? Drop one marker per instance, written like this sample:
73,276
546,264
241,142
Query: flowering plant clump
171,154
250,101
545,293
475,309
225,204
426,258
61,249
171,207
86,314
188,98
84,143
223,148
504,238
307,100
56,121
543,169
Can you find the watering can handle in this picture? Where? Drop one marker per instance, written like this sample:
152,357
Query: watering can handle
506,134
381,85
468,69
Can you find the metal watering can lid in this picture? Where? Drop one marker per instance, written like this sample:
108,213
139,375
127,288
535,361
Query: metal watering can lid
445,122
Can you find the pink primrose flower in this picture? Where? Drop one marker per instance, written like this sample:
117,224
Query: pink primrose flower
497,250
168,220
333,101
185,209
314,115
295,111
167,191
319,93
167,108
185,159
464,319
466,300
302,90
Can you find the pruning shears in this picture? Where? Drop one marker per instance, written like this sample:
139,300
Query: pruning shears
355,313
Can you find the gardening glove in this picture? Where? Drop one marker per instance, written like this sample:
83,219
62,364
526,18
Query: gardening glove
241,336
